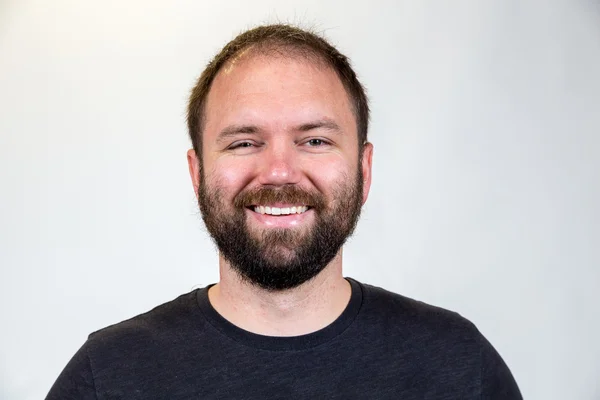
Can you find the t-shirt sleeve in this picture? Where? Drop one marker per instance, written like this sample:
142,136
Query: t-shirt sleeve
76,381
497,382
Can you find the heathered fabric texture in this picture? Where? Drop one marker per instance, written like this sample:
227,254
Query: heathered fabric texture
383,346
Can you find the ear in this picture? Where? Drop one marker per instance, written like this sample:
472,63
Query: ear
367,162
194,168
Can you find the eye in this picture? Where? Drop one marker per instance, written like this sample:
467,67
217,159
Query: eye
316,142
240,145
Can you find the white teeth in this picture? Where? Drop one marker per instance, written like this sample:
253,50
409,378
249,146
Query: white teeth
280,211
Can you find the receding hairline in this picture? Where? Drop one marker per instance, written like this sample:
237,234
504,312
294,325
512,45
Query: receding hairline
278,49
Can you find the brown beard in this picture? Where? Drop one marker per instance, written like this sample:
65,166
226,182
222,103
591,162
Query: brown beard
278,259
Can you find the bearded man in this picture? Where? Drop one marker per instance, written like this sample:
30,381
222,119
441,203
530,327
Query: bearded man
281,167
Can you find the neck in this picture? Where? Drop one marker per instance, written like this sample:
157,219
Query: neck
298,311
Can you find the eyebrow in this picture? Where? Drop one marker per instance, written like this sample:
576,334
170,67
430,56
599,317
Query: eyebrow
234,130
326,123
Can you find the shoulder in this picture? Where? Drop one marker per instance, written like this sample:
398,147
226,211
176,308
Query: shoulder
153,326
416,319
435,338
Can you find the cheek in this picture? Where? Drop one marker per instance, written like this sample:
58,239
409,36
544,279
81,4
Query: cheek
230,176
330,173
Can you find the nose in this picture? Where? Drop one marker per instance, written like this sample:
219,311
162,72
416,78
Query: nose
279,166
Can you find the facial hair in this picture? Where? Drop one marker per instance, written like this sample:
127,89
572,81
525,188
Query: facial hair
277,259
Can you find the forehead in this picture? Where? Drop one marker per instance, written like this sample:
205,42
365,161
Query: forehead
276,92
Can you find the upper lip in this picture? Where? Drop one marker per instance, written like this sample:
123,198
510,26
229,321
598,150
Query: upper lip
280,205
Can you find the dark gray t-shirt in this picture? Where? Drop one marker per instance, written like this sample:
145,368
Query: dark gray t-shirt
383,346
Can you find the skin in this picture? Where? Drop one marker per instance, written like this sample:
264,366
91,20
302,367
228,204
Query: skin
286,102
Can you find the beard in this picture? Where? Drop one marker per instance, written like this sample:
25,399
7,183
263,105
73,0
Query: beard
277,259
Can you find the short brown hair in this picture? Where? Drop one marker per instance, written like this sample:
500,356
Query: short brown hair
282,40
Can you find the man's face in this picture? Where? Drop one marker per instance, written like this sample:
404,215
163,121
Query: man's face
281,185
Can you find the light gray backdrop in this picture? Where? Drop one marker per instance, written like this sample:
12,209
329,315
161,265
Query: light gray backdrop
486,125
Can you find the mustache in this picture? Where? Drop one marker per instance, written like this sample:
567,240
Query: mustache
291,194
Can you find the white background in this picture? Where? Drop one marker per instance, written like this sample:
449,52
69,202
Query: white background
486,126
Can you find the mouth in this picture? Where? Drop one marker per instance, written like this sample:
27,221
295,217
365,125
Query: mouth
279,210
280,215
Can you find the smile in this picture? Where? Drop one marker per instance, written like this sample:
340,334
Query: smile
280,210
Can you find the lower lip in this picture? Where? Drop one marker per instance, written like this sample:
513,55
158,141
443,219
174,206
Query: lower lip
281,221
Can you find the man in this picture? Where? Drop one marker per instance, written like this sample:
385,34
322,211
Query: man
281,167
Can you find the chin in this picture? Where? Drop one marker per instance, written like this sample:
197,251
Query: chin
279,255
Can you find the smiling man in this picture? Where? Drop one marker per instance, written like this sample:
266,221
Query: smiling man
281,167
